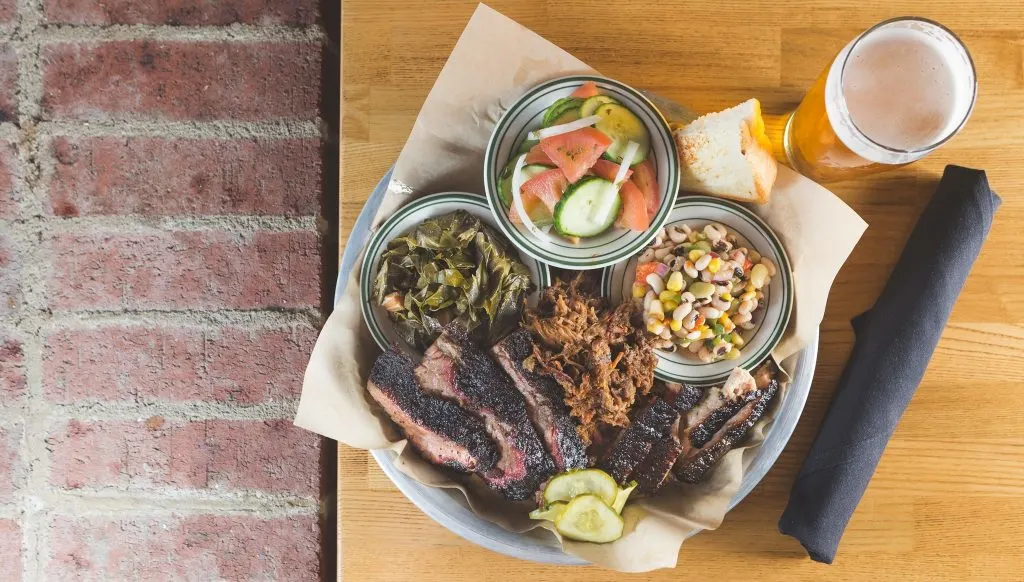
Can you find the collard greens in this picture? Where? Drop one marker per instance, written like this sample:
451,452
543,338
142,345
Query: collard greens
451,268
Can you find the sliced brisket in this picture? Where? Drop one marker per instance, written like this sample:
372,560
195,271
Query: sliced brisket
438,429
651,424
544,403
722,420
454,368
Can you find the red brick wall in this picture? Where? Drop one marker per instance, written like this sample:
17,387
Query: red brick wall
160,288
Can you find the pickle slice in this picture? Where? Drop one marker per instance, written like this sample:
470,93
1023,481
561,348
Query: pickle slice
589,519
568,485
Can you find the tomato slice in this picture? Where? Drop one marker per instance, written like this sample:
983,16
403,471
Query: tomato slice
608,170
646,179
588,89
634,208
540,194
576,152
537,156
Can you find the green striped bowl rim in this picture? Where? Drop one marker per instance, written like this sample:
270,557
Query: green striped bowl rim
781,289
406,218
608,248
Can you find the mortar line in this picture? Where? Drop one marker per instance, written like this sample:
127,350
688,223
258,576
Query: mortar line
152,503
35,537
238,224
187,411
194,130
240,33
257,319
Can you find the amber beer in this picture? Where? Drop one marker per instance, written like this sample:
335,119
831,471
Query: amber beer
895,93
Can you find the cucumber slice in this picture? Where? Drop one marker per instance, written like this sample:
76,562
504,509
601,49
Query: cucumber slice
573,212
569,115
550,513
592,103
525,147
622,497
558,108
588,519
571,484
622,126
505,180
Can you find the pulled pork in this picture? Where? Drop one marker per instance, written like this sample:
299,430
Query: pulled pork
600,357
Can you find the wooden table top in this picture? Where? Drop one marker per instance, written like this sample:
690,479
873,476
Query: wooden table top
947,500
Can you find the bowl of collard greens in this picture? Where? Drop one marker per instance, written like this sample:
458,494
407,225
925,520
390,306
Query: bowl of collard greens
440,260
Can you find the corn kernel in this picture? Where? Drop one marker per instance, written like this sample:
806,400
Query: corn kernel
706,333
715,265
668,295
695,254
732,354
737,340
675,325
750,288
727,324
639,291
723,296
656,328
675,282
669,304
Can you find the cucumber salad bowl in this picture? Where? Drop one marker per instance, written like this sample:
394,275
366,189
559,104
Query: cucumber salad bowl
581,172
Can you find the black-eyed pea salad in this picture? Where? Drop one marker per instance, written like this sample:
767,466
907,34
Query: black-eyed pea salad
700,292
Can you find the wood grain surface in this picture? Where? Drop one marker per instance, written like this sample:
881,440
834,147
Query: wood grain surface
947,501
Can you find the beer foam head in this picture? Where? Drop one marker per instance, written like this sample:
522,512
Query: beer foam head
904,89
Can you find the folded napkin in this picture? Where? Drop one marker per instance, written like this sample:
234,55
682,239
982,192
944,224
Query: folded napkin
894,342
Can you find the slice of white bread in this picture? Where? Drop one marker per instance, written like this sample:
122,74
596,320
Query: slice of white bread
728,154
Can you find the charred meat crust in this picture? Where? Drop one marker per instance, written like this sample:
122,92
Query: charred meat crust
650,425
545,403
455,368
656,469
441,431
696,460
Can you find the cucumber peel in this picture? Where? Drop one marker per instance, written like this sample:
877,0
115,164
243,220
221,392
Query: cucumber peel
550,512
621,497
556,109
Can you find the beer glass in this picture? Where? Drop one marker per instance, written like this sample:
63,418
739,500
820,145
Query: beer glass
895,93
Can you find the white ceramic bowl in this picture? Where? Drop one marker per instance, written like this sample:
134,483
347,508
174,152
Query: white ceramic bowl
405,219
770,321
614,245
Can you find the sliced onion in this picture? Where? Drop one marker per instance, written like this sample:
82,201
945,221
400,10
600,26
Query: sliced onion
605,205
627,160
564,128
517,200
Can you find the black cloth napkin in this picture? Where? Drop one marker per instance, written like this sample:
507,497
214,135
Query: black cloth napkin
895,340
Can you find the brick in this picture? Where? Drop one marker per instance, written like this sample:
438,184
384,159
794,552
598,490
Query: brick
12,370
10,549
159,177
177,80
207,547
185,270
181,12
11,471
8,10
8,165
151,363
10,276
8,77
218,455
